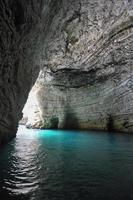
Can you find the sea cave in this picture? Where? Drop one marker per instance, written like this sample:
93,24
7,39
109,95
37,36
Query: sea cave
66,99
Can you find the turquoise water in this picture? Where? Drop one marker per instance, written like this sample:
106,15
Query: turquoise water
67,165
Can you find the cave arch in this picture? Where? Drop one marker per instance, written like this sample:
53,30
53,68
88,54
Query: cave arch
84,46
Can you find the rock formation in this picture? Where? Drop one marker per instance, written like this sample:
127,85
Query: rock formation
83,50
23,29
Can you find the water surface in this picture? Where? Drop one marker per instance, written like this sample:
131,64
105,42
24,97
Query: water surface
67,165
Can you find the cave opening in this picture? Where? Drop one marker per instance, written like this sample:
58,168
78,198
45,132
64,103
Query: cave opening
31,110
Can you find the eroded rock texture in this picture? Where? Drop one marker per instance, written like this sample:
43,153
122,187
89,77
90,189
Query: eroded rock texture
84,49
24,25
87,77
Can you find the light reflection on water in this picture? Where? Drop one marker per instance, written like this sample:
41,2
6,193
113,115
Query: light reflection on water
58,165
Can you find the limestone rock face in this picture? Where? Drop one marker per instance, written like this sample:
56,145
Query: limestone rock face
84,49
23,29
87,81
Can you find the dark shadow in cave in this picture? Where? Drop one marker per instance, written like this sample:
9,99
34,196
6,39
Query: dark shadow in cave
54,123
70,121
110,123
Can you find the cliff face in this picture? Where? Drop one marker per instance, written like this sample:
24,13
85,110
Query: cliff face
87,79
23,29
84,50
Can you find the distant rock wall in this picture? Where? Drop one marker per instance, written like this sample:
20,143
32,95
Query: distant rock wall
81,104
89,59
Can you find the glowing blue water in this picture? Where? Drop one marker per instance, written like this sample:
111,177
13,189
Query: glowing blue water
67,165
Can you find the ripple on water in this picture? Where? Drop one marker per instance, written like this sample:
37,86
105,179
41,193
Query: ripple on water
62,165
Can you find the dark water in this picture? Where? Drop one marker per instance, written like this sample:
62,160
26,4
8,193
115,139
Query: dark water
67,165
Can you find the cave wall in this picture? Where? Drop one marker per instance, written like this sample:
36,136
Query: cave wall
86,45
23,29
88,55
